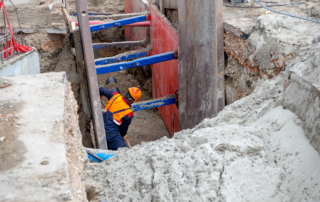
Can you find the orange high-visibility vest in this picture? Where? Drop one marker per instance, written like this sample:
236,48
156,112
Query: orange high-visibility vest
118,107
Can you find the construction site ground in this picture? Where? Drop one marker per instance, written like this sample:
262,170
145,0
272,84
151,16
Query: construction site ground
36,18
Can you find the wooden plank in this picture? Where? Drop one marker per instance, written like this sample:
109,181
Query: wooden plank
171,4
201,61
68,17
83,88
82,73
161,6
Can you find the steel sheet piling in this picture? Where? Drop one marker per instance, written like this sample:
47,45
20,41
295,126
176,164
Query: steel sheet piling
98,123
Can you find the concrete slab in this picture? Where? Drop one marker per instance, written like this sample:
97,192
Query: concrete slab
22,64
33,154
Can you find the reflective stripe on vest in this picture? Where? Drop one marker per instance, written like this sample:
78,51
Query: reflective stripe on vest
118,107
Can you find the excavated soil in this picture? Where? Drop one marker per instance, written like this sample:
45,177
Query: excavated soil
73,143
256,149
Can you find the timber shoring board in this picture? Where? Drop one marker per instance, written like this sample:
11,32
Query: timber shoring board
170,4
98,123
201,61
84,93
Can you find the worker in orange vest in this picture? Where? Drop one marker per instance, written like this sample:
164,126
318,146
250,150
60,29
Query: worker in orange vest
118,115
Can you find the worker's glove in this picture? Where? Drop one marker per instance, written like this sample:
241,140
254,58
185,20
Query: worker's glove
100,97
126,137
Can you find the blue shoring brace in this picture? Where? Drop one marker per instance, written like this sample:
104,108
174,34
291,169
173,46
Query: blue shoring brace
148,104
118,23
103,69
118,58
118,44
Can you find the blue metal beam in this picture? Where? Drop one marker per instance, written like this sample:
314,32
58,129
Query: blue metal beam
103,69
118,44
118,23
119,58
149,104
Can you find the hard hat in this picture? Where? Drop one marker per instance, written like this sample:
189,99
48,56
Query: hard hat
135,93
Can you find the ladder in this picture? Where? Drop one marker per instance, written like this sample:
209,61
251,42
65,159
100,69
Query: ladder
92,68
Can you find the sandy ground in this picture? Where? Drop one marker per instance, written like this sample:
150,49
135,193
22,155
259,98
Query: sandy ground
34,17
245,18
10,120
258,148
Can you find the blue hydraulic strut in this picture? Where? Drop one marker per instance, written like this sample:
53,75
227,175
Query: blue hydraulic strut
119,58
118,23
103,69
164,101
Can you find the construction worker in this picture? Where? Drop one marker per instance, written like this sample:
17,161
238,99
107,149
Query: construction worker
118,114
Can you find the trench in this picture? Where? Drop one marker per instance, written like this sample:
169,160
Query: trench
147,125
56,54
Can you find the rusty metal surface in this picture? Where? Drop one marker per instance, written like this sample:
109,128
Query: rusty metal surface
98,123
201,61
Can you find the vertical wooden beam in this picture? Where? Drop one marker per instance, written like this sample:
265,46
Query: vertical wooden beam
171,4
98,124
161,6
84,92
201,61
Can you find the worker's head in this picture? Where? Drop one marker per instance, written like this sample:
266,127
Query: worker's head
133,94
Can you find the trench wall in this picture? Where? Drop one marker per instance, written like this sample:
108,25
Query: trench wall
164,38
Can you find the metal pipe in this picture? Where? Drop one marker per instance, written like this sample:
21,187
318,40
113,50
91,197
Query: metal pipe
118,16
103,69
138,24
121,57
94,156
149,104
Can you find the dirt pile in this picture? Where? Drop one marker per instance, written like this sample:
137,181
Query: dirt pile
254,150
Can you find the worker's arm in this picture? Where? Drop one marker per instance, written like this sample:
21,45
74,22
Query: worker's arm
126,120
106,92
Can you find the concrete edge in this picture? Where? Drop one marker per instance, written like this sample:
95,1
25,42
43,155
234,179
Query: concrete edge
16,58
